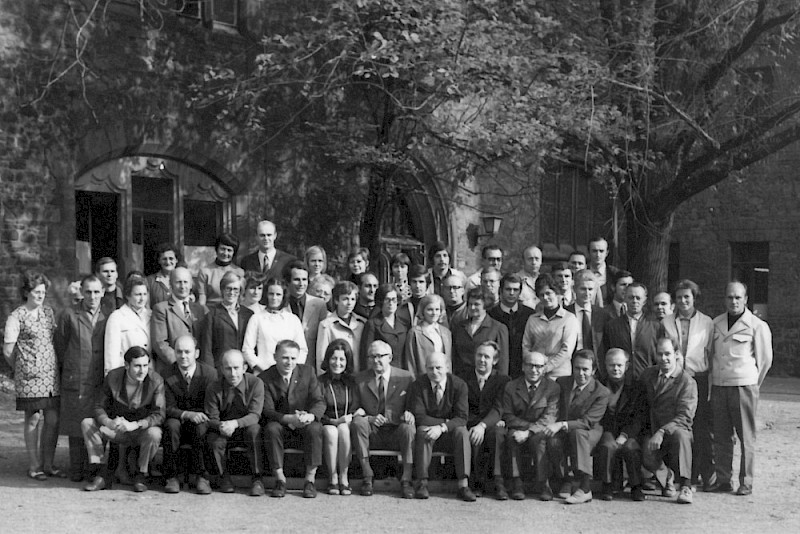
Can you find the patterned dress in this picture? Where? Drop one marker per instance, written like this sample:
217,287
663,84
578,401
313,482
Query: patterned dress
36,379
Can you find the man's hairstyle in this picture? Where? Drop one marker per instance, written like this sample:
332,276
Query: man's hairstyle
596,239
621,274
427,300
559,266
166,247
477,293
364,276
103,261
492,344
664,293
186,336
343,288
735,281
229,240
279,283
685,284
543,282
379,346
286,344
637,284
666,337
135,352
131,283
362,252
438,246
88,279
417,271
490,270
338,344
488,248
457,275
227,279
586,354
510,278
576,253
615,351
585,275
294,264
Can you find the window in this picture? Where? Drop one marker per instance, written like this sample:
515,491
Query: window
201,219
750,265
225,12
189,8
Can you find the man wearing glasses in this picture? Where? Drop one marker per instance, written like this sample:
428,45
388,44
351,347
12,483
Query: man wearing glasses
453,295
492,257
387,424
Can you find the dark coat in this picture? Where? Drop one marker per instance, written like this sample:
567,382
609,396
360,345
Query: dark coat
587,408
522,413
303,393
674,405
617,334
220,334
453,410
464,344
282,259
485,404
178,398
397,394
631,410
221,403
113,401
515,323
377,328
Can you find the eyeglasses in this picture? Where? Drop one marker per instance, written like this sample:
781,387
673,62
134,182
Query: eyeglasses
532,366
390,299
378,356
232,290
453,288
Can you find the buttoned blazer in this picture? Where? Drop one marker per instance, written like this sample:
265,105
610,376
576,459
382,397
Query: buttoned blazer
672,406
452,411
397,393
220,334
179,398
302,394
464,344
523,413
630,415
587,408
617,334
377,328
485,404
600,317
282,259
168,323
419,347
125,329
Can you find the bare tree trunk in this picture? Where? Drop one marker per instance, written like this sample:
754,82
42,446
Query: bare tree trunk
648,249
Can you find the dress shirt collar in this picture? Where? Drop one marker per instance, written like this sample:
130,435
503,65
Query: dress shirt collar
386,374
191,371
508,310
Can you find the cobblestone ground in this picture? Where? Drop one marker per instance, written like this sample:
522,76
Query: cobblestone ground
60,506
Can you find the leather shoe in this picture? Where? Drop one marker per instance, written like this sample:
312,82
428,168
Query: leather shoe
579,497
607,494
744,489
172,485
226,484
517,490
544,492
422,490
406,489
720,487
466,494
366,487
140,483
309,490
637,494
500,492
279,490
96,484
686,496
256,487
203,487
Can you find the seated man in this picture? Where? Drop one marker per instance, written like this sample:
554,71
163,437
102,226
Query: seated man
293,407
233,404
622,425
129,410
582,404
672,398
530,405
387,424
440,404
487,431
185,391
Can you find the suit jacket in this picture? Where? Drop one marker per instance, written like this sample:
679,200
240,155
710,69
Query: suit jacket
485,404
617,334
599,319
378,329
303,393
179,398
464,344
168,323
605,293
515,323
252,263
111,301
419,346
453,410
522,413
672,406
79,350
220,334
125,329
112,401
629,414
455,315
314,312
397,393
587,408
244,403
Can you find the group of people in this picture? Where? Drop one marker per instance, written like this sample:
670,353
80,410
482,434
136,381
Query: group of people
570,368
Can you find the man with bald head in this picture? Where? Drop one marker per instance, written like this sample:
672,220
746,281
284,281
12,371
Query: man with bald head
531,264
440,404
234,404
267,259
185,391
367,287
174,318
453,295
740,359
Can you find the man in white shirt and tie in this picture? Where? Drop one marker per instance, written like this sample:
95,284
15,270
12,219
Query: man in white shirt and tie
591,318
267,259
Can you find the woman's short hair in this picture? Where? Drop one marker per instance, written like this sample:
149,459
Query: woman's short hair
322,280
343,345
543,282
254,279
343,288
135,352
363,252
316,249
400,258
132,282
382,291
477,293
229,240
280,283
166,247
426,301
32,280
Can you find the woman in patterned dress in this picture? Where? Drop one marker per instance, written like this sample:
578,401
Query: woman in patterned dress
28,348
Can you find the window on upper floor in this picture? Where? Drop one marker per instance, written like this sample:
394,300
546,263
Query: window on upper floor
750,265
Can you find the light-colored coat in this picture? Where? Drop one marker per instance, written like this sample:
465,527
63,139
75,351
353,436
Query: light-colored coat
419,347
742,355
125,329
698,343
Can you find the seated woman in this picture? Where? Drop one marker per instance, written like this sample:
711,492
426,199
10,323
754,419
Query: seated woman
342,403
387,325
357,264
253,290
209,278
128,326
317,261
274,324
158,289
427,336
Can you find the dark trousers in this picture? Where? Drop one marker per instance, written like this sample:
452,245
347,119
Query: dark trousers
177,432
487,458
536,444
249,436
675,454
734,409
578,444
702,428
609,456
387,437
455,441
309,437
78,457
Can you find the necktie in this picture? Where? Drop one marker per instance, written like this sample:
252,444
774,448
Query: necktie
381,395
187,312
662,381
586,327
481,383
439,394
531,392
574,393
297,307
266,264
188,378
286,381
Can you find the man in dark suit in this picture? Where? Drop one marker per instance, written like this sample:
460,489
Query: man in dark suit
622,424
592,319
615,305
267,259
106,271
456,308
672,400
514,314
225,323
440,404
605,274
582,404
367,286
185,391
387,423
234,404
634,332
530,404
487,431
128,410
174,318
309,309
293,407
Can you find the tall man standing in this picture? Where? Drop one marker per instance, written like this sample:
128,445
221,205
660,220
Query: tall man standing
267,259
514,314
309,309
634,332
491,256
106,271
591,318
604,273
740,359
439,257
